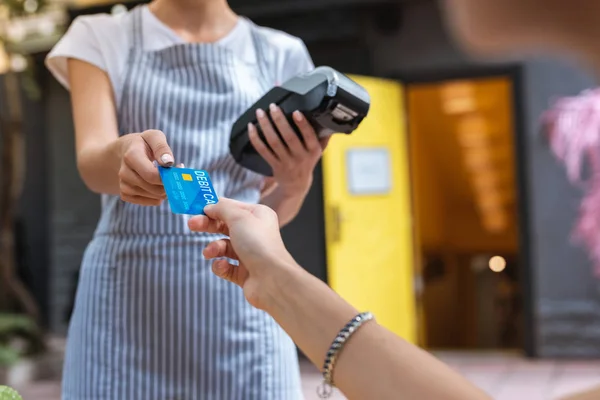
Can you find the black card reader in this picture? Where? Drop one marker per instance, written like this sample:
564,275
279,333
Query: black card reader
332,103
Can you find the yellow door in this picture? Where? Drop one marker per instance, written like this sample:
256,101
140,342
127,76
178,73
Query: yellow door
368,212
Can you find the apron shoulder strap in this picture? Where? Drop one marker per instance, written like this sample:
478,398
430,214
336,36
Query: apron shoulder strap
136,45
136,27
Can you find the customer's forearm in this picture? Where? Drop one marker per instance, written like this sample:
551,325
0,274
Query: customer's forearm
99,165
375,363
308,310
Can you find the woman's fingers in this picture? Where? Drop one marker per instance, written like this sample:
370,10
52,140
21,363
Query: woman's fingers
130,190
130,178
260,147
136,159
311,141
288,145
289,136
140,200
157,143
324,142
277,146
139,180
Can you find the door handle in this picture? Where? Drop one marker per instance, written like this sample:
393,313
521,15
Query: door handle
335,224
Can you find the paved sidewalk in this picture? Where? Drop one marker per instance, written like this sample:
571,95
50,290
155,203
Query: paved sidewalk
503,376
511,377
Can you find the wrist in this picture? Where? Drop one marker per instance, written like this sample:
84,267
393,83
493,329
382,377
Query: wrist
297,188
283,277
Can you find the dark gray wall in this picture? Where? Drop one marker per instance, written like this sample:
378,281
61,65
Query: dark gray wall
566,310
32,249
74,210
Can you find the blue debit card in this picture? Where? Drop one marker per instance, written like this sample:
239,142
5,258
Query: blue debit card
188,190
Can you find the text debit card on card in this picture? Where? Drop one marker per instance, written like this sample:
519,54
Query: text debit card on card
188,190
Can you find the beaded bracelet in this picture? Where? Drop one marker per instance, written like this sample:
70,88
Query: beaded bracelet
326,389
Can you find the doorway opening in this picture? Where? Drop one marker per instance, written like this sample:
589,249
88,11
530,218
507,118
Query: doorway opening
466,206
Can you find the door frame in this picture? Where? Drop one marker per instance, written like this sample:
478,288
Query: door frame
515,72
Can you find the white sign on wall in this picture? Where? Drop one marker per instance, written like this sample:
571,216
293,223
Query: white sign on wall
368,171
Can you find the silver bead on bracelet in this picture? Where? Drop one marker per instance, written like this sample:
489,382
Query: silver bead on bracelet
325,390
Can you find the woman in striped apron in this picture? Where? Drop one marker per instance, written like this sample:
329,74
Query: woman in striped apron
151,322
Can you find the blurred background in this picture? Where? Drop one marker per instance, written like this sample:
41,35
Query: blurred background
445,213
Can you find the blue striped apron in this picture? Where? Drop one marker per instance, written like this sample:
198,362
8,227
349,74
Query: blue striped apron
151,322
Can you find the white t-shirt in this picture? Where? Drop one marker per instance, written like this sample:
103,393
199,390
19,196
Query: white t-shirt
104,40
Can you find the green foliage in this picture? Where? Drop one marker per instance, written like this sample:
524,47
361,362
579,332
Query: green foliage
7,393
19,7
11,327
29,82
10,323
8,356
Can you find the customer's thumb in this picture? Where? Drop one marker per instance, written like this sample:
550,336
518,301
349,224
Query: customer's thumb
225,210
